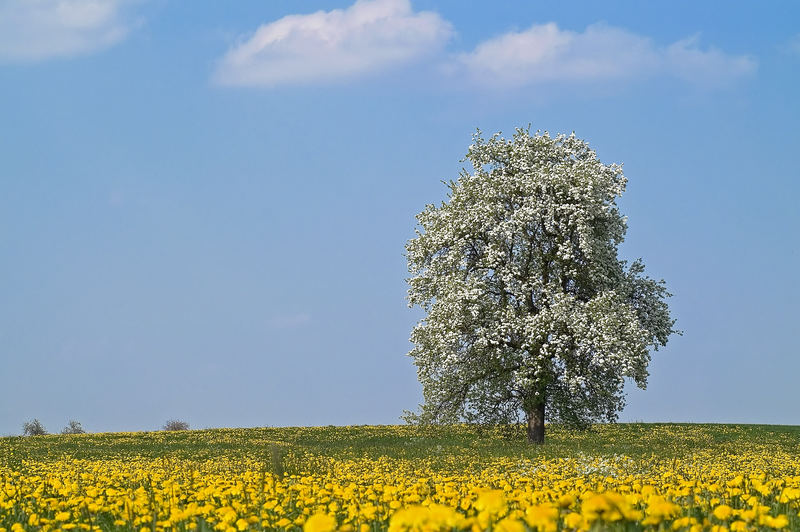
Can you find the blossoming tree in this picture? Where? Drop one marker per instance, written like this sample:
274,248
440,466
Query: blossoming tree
528,307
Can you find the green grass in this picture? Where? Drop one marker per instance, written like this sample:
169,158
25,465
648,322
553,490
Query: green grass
664,440
667,453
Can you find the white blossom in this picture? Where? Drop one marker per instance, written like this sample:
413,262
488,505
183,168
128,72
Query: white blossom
527,301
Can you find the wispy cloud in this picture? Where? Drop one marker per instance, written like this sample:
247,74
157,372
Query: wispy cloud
34,30
328,46
547,54
792,46
709,67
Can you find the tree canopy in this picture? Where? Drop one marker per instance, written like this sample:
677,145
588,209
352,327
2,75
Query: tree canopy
528,307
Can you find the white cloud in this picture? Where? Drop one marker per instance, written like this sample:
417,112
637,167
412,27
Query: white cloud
328,46
33,30
792,46
705,67
545,53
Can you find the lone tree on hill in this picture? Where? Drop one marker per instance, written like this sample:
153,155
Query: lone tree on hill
33,428
73,427
529,309
176,424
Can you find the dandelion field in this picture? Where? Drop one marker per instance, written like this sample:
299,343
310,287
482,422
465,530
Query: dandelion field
398,478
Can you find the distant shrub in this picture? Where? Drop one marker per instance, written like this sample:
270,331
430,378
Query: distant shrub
174,424
73,427
33,428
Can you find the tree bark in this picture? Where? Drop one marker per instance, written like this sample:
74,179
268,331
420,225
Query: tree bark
536,424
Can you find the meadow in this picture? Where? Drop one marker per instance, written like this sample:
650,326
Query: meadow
402,478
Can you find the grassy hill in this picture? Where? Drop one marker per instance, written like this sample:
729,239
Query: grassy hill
402,478
401,441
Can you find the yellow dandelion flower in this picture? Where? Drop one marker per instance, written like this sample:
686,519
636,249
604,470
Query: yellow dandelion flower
723,512
542,517
491,501
573,520
320,522
780,521
661,508
510,525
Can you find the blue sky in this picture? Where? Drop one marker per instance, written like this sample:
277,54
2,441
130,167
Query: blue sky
204,205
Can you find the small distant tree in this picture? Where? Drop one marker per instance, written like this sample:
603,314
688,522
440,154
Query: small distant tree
175,424
33,428
73,427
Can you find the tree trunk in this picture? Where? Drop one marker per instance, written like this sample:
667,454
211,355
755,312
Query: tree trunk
536,424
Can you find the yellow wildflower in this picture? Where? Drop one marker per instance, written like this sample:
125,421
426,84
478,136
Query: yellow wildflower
320,522
723,512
